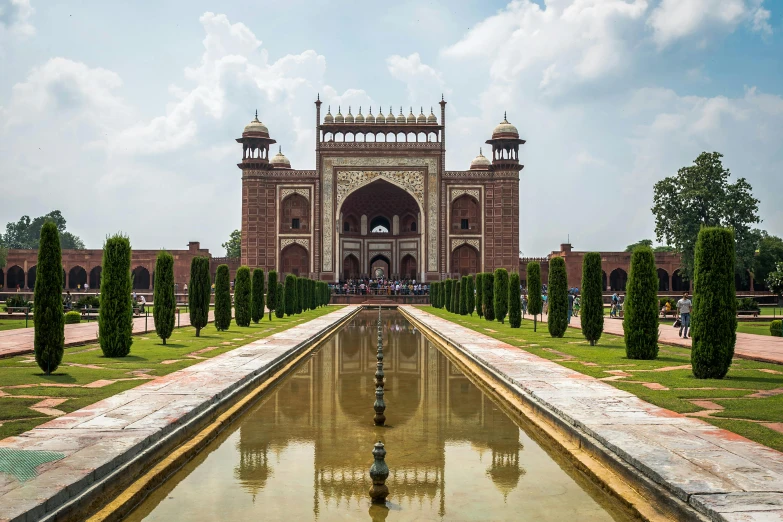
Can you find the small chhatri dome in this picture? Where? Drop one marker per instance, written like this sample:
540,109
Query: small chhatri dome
329,118
480,162
411,117
280,161
369,118
359,117
380,118
338,118
349,116
256,127
401,117
390,118
432,118
422,118
505,130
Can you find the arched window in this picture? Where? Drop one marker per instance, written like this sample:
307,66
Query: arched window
295,214
617,279
15,278
141,278
663,280
678,284
380,225
77,277
465,215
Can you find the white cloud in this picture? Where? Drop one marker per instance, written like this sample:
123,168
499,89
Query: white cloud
421,79
15,18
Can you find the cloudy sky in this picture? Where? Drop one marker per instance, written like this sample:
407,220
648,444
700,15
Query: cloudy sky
123,115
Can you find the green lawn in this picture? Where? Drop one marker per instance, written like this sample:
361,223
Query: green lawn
13,324
671,369
83,365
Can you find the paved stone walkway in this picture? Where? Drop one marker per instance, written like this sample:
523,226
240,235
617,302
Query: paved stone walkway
20,340
721,474
72,452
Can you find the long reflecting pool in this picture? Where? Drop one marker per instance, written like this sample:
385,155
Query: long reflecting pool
303,452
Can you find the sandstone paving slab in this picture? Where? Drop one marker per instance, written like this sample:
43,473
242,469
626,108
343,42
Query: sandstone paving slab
98,439
720,473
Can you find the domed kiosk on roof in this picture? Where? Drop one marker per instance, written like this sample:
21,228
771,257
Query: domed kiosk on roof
505,130
256,128
480,162
279,161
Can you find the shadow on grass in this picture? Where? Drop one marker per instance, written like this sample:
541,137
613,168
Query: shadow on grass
172,345
62,378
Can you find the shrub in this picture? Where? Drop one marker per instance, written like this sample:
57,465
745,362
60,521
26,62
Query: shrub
164,301
49,322
557,291
640,312
662,302
222,298
434,295
489,299
242,297
463,296
535,304
300,294
470,290
73,317
92,301
501,294
456,296
290,295
514,301
714,317
257,296
271,295
199,293
115,321
447,295
280,304
480,294
592,312
314,300
18,301
748,304
776,328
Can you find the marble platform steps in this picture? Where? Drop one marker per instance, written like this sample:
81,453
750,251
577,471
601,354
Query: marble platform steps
721,475
85,449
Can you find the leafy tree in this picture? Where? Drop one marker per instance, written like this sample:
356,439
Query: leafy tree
643,242
3,255
457,295
199,293
222,298
514,301
480,294
164,300
535,304
501,294
775,280
470,290
640,311
301,283
242,297
664,248
271,296
557,292
488,280
714,304
48,319
447,302
770,252
280,301
115,321
700,195
234,245
257,301
26,232
290,295
592,311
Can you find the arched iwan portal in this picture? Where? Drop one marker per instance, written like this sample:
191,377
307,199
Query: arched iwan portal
408,267
465,260
379,266
141,278
295,260
663,280
350,267
77,276
95,277
617,280
15,278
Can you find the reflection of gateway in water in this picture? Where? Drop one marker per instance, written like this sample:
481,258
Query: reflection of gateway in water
429,403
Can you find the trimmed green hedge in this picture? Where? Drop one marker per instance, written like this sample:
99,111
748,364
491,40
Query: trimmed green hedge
447,295
271,296
501,294
115,321
242,297
514,301
776,328
557,292
48,319
199,293
592,312
640,311
480,294
73,317
470,290
291,295
489,295
257,295
222,298
164,301
535,303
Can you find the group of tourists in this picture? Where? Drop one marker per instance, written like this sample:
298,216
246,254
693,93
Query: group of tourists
380,286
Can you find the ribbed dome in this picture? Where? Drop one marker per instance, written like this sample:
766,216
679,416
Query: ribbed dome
401,117
411,117
349,116
505,130
329,118
359,117
480,162
422,118
390,118
338,118
432,118
380,118
370,118
280,161
256,127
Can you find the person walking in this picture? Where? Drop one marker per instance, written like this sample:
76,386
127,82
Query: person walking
570,306
684,307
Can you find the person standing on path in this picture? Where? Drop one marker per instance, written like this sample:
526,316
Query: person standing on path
684,306
570,306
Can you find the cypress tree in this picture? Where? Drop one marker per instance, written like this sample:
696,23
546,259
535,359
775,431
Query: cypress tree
488,280
164,301
463,296
314,301
242,297
434,295
514,301
640,311
535,304
271,296
48,317
115,321
714,317
300,294
592,310
480,294
280,301
447,295
456,296
257,301
471,289
558,297
222,298
199,293
290,295
501,294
